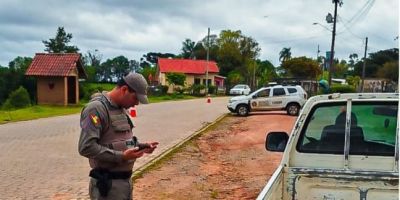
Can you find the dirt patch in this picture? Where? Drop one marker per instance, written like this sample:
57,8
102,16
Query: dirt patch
228,161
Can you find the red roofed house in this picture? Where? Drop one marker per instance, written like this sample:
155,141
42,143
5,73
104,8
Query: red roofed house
195,71
57,77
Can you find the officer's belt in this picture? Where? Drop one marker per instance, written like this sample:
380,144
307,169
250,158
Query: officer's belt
98,173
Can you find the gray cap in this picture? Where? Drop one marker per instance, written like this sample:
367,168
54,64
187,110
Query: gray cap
138,83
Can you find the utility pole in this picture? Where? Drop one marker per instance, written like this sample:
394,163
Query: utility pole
208,57
331,67
365,61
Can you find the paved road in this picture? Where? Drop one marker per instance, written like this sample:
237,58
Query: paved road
39,158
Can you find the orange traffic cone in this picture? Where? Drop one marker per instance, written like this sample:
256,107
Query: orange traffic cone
133,112
208,99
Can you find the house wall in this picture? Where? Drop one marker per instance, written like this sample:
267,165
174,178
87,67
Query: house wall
189,79
55,95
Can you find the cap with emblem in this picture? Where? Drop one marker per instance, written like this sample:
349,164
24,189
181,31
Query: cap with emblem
138,83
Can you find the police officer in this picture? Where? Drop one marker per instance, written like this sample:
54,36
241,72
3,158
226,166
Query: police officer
106,138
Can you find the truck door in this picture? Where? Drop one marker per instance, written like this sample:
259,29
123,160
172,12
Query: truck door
260,100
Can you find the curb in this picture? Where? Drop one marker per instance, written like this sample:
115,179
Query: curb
141,169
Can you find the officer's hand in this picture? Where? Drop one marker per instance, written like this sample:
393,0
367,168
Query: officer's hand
153,145
132,153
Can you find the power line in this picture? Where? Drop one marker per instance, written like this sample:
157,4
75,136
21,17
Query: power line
348,29
295,39
362,12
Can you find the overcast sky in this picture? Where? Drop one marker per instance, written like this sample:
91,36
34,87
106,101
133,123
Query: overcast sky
134,27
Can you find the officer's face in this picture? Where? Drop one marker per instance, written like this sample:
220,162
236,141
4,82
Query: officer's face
129,98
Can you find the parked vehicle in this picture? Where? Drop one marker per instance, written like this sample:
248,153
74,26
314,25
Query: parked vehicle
289,98
240,89
342,146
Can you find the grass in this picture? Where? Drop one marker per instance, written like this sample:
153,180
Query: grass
36,112
171,97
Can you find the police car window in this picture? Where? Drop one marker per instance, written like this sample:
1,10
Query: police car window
292,90
263,93
278,92
372,130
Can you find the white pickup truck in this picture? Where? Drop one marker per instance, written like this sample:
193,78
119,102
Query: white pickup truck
342,146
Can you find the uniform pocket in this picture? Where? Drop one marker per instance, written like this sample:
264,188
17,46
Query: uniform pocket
120,122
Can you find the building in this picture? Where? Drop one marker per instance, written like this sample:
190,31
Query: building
57,77
195,71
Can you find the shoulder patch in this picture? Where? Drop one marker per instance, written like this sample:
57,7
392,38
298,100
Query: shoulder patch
95,119
91,120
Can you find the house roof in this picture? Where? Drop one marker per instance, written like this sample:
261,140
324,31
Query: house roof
186,66
55,64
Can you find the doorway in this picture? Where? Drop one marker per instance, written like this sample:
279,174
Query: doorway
72,90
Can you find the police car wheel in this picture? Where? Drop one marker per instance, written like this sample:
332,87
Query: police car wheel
242,110
293,109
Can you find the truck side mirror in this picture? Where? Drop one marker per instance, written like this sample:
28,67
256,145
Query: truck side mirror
254,96
276,141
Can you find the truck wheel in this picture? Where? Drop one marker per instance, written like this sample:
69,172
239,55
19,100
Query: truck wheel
242,110
293,109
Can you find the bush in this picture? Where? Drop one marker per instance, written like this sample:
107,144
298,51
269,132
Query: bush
179,90
342,89
164,89
212,89
87,89
196,89
17,99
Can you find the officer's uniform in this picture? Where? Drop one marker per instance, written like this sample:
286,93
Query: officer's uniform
106,134
106,128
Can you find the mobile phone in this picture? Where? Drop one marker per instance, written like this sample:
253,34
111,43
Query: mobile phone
143,146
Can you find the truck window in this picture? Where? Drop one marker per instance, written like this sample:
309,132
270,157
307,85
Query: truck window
372,129
278,92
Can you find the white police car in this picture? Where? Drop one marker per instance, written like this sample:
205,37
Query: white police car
289,98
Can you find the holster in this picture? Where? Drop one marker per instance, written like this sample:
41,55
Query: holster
104,180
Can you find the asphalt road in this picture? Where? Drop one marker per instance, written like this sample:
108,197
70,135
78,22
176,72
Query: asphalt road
39,158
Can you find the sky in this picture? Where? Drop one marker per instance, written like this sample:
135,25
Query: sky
135,27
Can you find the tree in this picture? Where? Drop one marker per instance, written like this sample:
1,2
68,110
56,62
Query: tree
302,67
353,81
285,54
176,79
114,68
235,52
341,68
390,70
93,58
14,76
149,73
151,58
353,60
59,44
234,77
188,48
375,61
266,72
18,99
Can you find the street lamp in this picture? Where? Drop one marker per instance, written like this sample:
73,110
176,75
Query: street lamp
325,27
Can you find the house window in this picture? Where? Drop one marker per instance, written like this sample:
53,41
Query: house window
209,81
197,81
